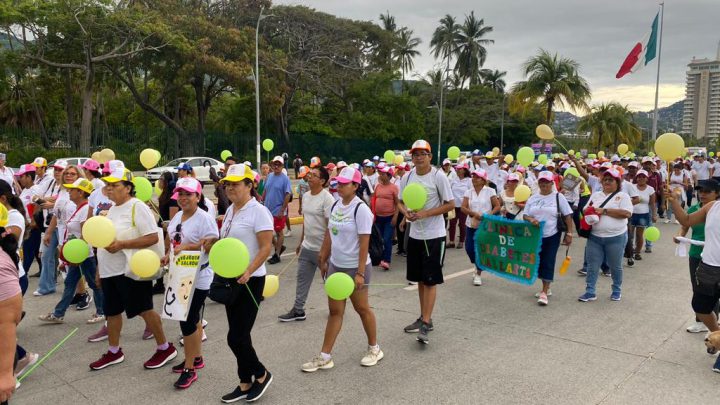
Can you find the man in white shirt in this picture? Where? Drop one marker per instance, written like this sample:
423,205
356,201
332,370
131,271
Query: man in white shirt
426,242
701,167
474,163
7,175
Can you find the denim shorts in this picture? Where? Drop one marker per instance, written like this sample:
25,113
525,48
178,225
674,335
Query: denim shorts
640,220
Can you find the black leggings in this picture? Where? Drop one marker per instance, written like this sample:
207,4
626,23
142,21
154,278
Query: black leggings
241,316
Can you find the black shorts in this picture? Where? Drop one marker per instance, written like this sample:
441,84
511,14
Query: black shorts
189,325
706,290
123,294
424,268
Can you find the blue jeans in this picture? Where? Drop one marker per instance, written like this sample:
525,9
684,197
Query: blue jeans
87,268
608,250
49,266
384,224
31,247
470,246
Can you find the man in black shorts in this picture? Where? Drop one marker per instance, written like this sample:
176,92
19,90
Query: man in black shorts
426,242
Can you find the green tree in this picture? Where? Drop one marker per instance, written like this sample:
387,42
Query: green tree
471,51
611,124
493,79
554,82
405,50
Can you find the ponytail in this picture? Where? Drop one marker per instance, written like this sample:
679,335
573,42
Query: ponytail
13,200
202,204
9,245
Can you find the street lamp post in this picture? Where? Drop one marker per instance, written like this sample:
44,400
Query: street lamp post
502,125
256,78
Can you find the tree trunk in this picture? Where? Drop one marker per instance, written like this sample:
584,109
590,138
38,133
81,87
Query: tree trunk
197,83
87,110
548,112
70,108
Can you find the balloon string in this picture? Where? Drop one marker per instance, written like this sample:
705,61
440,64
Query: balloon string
53,350
252,296
560,143
287,266
424,240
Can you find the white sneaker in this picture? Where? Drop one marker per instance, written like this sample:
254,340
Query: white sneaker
549,294
318,363
204,338
697,327
288,233
204,323
372,357
667,221
477,280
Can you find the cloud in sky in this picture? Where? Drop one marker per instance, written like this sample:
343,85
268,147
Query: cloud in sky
596,34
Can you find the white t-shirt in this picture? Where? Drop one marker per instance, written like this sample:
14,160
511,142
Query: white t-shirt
15,218
545,208
199,226
8,176
316,211
99,201
501,179
716,168
509,203
491,168
372,181
212,210
459,188
26,196
702,169
434,181
643,207
244,224
62,210
609,226
479,202
345,228
628,188
711,252
116,264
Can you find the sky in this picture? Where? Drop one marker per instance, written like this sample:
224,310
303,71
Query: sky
597,34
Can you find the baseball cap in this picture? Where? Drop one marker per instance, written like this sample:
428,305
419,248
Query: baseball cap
349,175
520,169
188,184
91,165
545,175
279,159
479,173
340,165
613,173
314,161
61,164
539,167
81,184
606,165
420,145
386,169
369,164
330,166
185,166
24,169
642,173
248,164
513,177
112,165
303,171
238,172
633,164
376,158
550,164
446,162
647,159
476,152
39,162
118,172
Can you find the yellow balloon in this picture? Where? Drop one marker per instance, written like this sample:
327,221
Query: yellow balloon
495,151
158,189
509,158
669,146
149,158
4,215
399,160
144,263
106,155
522,193
544,132
571,152
601,154
96,157
272,284
623,149
98,231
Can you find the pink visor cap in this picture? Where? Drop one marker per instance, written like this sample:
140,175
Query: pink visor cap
546,175
480,173
349,175
25,169
91,165
188,184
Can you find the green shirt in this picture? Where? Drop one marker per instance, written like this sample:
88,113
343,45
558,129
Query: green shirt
698,233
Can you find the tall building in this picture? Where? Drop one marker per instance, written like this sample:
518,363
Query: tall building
701,115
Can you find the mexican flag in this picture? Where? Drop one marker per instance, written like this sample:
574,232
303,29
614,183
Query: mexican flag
643,52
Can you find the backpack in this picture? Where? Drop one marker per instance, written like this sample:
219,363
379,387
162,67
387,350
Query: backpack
376,246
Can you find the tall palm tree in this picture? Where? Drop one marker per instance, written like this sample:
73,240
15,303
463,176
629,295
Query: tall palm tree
611,124
471,52
554,82
405,50
385,50
388,22
445,39
493,79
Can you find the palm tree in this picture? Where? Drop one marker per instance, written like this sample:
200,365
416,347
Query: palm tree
471,52
385,51
554,82
445,38
388,22
611,124
493,79
405,50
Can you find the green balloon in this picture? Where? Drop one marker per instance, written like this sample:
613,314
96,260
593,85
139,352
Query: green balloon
389,156
525,156
225,154
592,156
76,251
339,286
268,145
454,152
143,189
572,171
652,234
414,196
542,159
578,155
229,258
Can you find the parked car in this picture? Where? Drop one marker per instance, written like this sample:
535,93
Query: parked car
71,161
201,166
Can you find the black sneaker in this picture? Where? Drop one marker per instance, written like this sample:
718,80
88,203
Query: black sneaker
422,337
76,299
415,326
234,396
648,249
274,259
198,363
258,389
293,315
637,256
186,379
582,272
84,302
630,262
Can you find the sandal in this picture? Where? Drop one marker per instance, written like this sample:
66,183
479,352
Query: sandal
450,245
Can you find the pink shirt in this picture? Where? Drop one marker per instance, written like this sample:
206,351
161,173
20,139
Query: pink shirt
9,281
385,195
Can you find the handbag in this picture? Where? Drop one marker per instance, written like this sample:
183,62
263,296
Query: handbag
223,290
585,228
561,225
158,248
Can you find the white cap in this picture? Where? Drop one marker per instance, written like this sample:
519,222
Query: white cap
279,159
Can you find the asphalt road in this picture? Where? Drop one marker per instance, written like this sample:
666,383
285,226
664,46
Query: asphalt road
491,344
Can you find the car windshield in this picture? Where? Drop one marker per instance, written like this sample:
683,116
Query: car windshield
176,162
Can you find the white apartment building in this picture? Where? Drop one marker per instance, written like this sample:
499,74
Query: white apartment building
701,114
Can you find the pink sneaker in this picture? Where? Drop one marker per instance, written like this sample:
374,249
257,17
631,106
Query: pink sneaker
385,265
161,357
100,335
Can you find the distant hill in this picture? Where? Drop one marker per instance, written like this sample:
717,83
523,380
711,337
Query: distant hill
669,119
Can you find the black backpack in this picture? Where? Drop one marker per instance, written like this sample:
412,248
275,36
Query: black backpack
377,243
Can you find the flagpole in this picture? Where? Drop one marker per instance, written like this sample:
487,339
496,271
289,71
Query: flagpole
657,80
